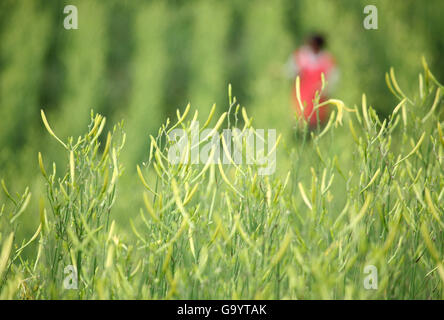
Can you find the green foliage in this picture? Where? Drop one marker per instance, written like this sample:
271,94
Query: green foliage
367,192
80,201
224,231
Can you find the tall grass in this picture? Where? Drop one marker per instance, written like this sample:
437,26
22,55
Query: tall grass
360,191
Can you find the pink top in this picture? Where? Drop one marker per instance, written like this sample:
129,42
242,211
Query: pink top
310,66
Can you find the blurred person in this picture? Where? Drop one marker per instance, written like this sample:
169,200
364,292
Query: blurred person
309,62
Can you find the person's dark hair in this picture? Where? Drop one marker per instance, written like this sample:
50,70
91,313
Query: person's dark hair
317,41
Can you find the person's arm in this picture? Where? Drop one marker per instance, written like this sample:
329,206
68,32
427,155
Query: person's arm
332,79
291,69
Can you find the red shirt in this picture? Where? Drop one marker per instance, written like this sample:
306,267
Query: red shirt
310,66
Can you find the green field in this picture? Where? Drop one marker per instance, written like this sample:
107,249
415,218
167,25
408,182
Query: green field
92,208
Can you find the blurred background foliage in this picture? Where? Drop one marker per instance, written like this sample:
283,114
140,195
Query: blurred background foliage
141,60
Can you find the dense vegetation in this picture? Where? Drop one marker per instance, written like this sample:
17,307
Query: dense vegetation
367,189
223,231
